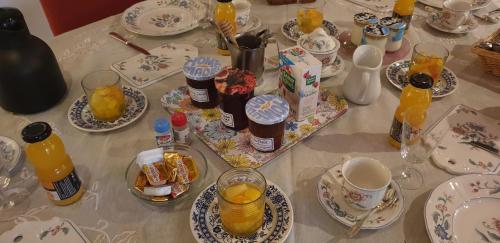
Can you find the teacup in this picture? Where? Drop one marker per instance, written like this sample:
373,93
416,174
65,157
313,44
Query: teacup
365,182
455,13
242,11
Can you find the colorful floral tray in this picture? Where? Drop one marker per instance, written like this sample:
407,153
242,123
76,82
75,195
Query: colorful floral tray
234,147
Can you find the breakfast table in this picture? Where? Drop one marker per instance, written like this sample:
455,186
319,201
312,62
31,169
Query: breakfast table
109,213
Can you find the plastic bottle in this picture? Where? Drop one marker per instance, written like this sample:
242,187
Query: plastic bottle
403,9
164,137
182,133
417,93
53,166
224,11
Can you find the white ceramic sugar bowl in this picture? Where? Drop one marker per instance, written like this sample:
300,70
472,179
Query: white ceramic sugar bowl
396,27
360,21
375,35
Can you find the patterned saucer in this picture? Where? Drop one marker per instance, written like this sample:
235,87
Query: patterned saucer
396,74
434,20
10,154
163,17
331,199
206,225
290,29
333,69
80,116
476,4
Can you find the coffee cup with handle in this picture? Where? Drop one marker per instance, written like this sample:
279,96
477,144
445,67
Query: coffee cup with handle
455,13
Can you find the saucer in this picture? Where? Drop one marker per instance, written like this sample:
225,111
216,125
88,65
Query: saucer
80,116
396,74
476,4
434,20
333,69
206,224
331,199
290,29
253,23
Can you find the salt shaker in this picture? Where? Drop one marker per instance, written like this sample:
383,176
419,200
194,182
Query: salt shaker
360,21
375,35
181,129
164,136
396,27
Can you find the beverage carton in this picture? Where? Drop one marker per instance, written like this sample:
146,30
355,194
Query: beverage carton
299,79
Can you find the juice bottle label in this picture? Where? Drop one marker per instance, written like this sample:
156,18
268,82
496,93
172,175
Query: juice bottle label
396,130
63,189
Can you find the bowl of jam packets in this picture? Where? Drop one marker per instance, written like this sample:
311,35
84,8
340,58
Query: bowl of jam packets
164,176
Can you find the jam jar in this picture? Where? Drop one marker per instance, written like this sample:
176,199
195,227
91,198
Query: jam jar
397,30
235,88
200,73
375,35
266,121
360,21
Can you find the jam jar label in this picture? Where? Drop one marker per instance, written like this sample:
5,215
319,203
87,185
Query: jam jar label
199,95
396,130
227,119
262,144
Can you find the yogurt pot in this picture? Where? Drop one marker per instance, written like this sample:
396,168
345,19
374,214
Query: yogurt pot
200,73
266,121
235,88
360,21
396,28
375,35
321,45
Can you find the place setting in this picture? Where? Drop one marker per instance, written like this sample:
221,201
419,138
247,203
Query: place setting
454,18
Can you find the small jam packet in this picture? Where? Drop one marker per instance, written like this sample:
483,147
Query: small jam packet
178,189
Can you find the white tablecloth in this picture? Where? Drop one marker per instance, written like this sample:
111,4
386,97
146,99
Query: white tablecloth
108,213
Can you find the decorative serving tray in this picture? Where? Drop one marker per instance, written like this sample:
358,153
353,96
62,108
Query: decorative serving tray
234,147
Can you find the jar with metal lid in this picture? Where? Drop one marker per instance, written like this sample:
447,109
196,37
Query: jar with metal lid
375,35
200,73
360,21
396,27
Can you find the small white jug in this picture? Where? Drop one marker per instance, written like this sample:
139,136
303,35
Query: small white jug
362,85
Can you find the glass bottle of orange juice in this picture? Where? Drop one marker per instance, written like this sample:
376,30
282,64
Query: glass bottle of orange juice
224,11
417,93
53,166
403,9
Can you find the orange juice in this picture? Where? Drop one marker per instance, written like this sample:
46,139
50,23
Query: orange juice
242,209
308,19
431,65
224,11
107,102
53,166
416,94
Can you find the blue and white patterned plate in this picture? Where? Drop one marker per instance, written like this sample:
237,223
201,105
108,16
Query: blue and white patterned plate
80,116
331,199
396,74
290,29
207,227
163,17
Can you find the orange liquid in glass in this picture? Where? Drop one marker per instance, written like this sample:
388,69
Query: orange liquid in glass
308,19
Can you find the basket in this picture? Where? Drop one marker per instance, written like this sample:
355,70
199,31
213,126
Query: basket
490,59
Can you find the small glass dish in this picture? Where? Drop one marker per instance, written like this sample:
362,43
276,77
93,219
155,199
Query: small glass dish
194,189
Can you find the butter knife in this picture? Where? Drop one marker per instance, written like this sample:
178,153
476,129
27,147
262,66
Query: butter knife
128,43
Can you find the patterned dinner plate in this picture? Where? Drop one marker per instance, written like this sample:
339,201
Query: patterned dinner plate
206,225
80,116
10,153
476,4
331,199
290,29
464,209
396,74
163,17
434,20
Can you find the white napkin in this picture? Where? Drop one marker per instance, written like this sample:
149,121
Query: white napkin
164,61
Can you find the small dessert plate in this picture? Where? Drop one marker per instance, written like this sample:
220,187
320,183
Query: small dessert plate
396,74
253,23
329,191
206,224
333,69
10,154
290,29
55,230
434,20
80,116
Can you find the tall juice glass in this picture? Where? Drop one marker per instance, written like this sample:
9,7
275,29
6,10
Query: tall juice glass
310,16
105,95
225,11
241,197
428,58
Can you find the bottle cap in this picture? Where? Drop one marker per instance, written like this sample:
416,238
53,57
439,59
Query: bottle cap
162,125
421,81
267,109
179,119
36,132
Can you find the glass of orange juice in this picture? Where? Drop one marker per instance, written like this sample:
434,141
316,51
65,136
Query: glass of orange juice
428,58
310,15
105,95
241,196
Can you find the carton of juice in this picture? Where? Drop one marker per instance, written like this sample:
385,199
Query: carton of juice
299,79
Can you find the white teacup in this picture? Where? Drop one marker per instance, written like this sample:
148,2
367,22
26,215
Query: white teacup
455,13
242,11
365,182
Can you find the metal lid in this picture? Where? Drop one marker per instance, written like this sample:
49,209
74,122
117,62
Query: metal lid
365,18
376,30
36,132
393,23
267,109
201,68
421,81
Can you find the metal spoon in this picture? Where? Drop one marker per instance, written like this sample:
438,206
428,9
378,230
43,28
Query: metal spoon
389,199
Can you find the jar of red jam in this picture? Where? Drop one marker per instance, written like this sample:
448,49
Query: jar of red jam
266,121
235,88
200,73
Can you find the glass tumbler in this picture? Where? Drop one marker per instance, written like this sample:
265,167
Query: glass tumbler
241,196
310,16
105,95
429,58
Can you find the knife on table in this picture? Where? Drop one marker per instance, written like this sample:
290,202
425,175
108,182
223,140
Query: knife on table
128,43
